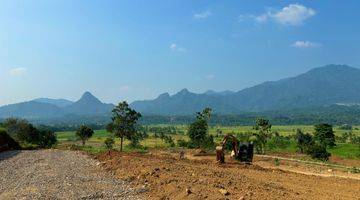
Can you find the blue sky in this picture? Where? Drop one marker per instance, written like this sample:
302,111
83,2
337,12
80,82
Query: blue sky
133,50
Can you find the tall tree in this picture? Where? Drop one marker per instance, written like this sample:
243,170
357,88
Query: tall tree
124,122
263,127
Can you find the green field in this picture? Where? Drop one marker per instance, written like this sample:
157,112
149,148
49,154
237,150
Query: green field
342,150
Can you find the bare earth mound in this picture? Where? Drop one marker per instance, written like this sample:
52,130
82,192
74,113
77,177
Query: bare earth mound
165,176
57,174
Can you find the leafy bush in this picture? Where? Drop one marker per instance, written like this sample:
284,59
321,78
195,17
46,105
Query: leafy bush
167,139
303,141
109,143
355,170
318,151
47,138
28,135
208,142
277,162
182,143
7,142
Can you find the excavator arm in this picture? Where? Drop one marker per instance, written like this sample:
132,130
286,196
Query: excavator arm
220,150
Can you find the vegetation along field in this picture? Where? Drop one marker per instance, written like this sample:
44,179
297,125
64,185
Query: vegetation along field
343,149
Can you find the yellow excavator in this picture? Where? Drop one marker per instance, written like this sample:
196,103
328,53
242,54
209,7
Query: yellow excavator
241,151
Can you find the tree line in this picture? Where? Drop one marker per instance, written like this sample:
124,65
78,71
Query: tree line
125,124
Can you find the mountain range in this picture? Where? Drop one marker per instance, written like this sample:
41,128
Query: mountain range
319,87
327,85
43,108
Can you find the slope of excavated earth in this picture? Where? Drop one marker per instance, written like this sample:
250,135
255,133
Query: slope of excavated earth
57,174
165,176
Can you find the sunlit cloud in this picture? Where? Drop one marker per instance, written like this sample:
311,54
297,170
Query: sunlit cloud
293,14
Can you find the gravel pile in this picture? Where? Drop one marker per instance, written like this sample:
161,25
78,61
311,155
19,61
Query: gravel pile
57,174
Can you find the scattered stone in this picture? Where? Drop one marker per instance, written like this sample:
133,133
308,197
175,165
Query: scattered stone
188,191
182,155
224,192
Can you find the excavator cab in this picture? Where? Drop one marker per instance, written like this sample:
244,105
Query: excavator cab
246,152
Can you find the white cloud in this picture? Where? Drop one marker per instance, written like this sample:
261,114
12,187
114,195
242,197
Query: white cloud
210,76
261,18
125,88
17,71
293,14
305,44
175,47
202,15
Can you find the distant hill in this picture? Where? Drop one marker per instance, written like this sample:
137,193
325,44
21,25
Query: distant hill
221,93
57,102
331,84
31,110
88,104
44,108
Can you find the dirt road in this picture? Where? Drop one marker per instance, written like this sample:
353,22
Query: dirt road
57,174
169,177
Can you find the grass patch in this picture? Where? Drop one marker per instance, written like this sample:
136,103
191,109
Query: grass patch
343,150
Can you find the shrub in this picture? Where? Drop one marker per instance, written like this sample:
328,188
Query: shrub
318,151
303,141
136,138
109,143
182,143
47,138
28,135
355,170
277,162
7,142
167,139
208,142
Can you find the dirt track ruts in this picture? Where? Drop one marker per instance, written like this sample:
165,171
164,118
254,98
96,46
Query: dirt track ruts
57,174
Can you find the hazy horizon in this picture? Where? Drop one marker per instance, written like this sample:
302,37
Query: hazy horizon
123,50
